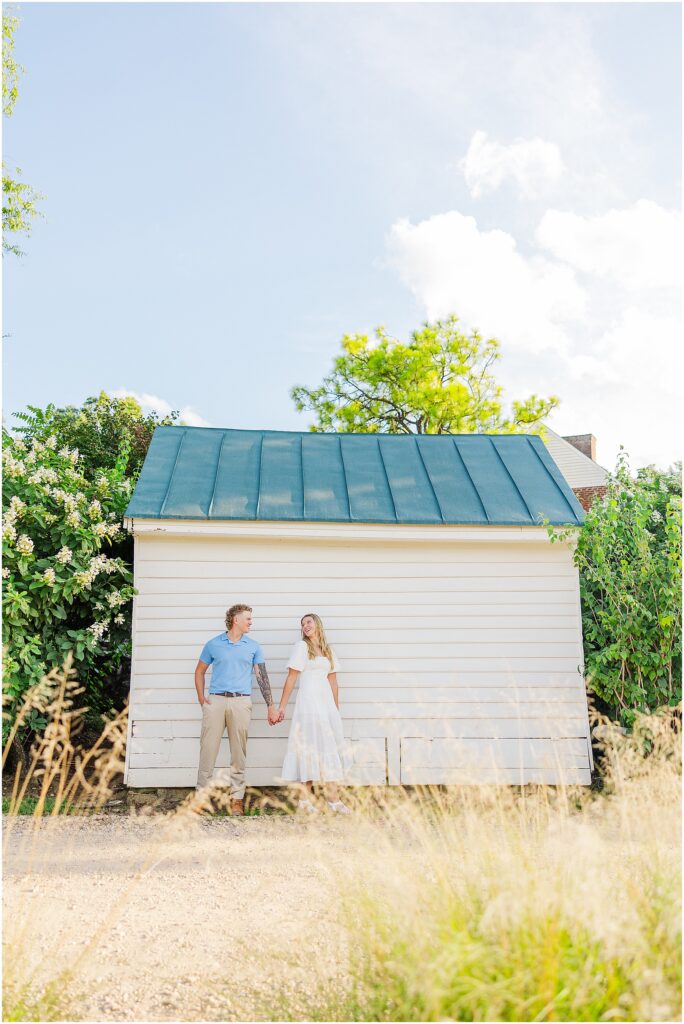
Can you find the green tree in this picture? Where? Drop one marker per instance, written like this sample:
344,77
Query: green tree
440,382
98,429
629,556
19,200
62,590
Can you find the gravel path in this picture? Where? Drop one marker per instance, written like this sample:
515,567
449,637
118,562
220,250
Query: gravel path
212,917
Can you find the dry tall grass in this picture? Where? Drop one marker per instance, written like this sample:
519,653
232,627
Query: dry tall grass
533,904
473,903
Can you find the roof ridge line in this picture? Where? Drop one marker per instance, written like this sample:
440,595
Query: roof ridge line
551,475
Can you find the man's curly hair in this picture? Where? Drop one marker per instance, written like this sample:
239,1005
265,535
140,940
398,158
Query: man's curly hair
233,611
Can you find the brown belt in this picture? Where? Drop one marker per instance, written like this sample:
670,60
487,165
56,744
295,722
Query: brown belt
227,693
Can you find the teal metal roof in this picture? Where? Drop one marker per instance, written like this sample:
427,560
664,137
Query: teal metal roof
476,479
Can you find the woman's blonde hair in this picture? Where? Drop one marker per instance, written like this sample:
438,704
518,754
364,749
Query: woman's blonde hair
323,644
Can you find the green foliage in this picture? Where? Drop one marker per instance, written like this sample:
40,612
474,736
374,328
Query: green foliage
97,429
629,555
10,69
61,591
19,200
19,208
439,383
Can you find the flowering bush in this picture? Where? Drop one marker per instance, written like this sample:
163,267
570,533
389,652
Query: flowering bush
62,590
629,556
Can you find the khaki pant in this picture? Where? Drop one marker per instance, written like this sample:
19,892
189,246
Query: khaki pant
234,714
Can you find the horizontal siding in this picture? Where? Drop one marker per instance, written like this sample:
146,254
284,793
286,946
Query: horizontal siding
360,775
388,682
359,728
464,642
307,590
153,752
468,752
379,695
393,709
315,554
567,776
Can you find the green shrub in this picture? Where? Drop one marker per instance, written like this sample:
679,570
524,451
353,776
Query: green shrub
98,429
629,555
61,590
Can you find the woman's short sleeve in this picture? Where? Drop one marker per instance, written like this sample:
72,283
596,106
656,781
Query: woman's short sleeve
335,662
298,656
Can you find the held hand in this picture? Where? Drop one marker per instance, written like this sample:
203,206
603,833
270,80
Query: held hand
272,715
281,716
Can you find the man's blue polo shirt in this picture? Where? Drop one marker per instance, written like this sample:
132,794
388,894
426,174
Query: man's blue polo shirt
232,663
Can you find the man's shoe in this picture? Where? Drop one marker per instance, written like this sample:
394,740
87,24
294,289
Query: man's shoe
237,806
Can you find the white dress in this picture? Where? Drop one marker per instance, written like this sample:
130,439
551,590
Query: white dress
316,748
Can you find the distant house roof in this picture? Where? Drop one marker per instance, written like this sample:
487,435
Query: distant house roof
483,479
578,469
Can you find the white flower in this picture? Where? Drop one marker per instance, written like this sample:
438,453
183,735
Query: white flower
20,445
119,619
13,467
656,516
51,442
64,555
94,509
74,455
114,599
37,446
8,532
98,629
64,452
5,572
30,458
100,529
17,506
50,577
25,545
73,519
83,580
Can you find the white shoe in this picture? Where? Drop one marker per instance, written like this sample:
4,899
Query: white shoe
306,805
338,807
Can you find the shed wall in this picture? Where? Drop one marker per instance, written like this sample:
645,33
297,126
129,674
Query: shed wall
461,661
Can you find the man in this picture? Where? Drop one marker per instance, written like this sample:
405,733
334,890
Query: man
229,703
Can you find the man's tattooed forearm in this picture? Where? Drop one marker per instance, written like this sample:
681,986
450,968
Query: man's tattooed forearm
264,684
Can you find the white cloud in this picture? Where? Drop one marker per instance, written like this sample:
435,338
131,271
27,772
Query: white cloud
618,374
153,403
532,164
639,247
450,265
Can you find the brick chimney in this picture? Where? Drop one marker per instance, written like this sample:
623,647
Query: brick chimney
585,443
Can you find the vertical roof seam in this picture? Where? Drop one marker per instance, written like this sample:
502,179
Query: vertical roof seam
218,465
512,479
472,482
175,463
301,467
429,478
389,486
553,479
261,453
344,476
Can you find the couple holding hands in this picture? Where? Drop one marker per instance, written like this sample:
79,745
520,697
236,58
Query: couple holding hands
316,748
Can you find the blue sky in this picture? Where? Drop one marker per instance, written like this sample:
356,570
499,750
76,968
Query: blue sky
231,187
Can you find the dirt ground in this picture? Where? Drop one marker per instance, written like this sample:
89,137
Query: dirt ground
167,919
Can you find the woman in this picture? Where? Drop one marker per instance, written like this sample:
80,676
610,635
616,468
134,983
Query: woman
316,747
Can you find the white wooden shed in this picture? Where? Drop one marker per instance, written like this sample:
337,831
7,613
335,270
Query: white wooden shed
456,621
